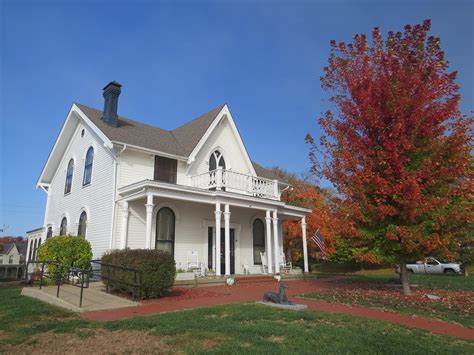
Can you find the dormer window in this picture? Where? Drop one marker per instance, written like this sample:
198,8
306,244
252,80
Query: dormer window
216,159
69,173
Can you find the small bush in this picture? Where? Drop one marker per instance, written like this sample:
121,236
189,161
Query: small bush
156,271
68,250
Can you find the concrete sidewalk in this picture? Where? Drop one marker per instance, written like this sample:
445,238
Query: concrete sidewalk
94,297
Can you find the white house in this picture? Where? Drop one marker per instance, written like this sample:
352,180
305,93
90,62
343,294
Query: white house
11,259
124,184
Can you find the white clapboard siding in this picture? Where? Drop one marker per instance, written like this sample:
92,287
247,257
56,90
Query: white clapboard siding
96,199
192,221
224,139
182,178
135,166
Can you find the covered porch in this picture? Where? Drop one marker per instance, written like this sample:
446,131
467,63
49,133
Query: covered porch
225,233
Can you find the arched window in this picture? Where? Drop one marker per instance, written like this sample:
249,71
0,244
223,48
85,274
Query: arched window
216,159
69,173
165,223
32,247
88,167
63,227
49,233
81,231
35,245
258,241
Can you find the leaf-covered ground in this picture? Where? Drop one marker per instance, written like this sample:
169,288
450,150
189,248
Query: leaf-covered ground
453,305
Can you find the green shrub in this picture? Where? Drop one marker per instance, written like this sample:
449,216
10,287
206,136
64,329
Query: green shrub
68,250
156,271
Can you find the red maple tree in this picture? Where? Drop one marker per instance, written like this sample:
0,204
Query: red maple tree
304,193
396,146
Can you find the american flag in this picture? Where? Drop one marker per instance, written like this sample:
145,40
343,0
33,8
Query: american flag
318,239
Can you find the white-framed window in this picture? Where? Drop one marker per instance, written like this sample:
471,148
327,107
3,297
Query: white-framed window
69,175
216,159
258,228
88,167
165,230
82,228
63,227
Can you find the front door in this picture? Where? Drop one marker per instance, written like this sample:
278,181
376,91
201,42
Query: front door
211,248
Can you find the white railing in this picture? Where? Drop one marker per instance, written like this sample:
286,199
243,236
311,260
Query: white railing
231,181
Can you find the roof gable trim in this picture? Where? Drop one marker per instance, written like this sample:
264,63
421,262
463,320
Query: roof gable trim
74,113
223,114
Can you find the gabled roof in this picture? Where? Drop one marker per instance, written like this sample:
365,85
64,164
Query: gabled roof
21,247
264,172
189,134
178,142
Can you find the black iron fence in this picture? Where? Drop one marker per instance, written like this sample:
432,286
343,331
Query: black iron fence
54,273
115,277
119,278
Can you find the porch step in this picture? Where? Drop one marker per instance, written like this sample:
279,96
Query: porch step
249,279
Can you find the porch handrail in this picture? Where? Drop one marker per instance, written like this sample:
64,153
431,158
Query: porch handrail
232,180
62,275
110,273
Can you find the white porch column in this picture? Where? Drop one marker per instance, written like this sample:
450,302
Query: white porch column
305,246
275,239
125,212
227,239
149,216
268,220
217,265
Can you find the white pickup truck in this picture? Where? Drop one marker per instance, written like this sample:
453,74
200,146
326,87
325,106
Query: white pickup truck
433,266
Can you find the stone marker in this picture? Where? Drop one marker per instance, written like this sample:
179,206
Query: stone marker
293,307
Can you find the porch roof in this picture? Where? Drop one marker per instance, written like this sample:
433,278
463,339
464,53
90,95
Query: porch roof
141,189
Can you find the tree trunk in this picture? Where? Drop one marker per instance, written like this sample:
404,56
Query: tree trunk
404,276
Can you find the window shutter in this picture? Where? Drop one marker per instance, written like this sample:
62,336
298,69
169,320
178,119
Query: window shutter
165,169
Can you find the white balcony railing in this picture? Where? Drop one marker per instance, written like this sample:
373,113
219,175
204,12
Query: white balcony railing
231,181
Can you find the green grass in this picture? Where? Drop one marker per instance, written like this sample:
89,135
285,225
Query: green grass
241,328
452,313
444,282
460,312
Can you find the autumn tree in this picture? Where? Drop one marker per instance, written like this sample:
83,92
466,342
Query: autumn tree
305,193
396,146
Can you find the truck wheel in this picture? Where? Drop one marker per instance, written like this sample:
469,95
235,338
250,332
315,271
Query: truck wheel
449,271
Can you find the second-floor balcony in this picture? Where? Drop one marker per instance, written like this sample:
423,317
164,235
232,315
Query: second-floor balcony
231,181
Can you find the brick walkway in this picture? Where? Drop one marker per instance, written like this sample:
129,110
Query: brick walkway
189,298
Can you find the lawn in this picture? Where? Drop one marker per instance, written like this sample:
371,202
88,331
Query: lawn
443,282
378,288
27,324
383,276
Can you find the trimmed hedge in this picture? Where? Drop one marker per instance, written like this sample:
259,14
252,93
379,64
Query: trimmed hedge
156,271
68,250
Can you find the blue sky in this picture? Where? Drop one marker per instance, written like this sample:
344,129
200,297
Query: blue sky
177,60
